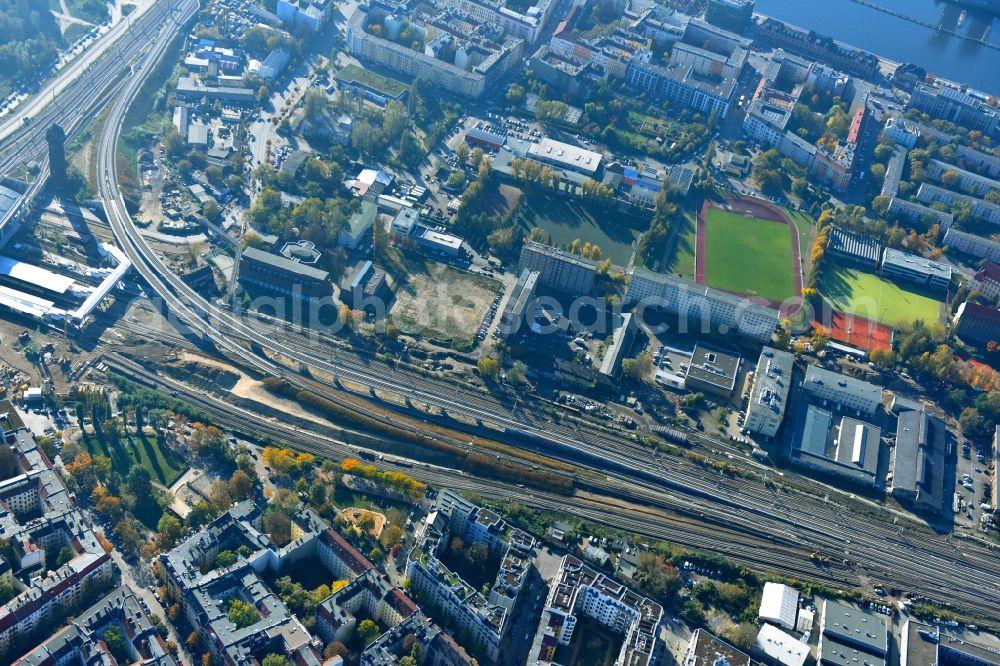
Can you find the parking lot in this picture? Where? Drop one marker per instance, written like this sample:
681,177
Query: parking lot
973,485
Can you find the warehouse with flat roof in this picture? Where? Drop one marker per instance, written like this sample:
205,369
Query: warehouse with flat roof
851,449
856,248
850,636
566,156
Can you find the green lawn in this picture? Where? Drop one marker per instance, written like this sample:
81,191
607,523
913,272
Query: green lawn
748,255
566,219
163,464
681,261
383,84
872,297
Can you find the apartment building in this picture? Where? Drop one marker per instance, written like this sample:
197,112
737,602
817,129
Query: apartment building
487,618
977,246
980,209
475,64
977,323
694,304
968,182
39,517
308,14
84,637
970,158
581,591
987,281
772,382
902,131
962,107
557,269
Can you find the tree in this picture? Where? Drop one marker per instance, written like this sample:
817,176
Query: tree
630,369
240,485
279,527
820,338
335,649
8,463
368,631
115,641
241,613
462,152
275,660
65,555
225,559
193,640
489,367
211,211
168,531
515,94
219,495
139,484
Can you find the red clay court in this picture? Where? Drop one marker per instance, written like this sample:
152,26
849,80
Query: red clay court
858,331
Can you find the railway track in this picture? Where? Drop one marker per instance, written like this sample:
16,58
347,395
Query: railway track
744,506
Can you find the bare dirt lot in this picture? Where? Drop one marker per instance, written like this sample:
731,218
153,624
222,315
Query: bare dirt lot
443,303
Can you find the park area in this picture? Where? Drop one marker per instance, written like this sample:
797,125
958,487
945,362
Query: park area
566,219
748,249
855,292
442,303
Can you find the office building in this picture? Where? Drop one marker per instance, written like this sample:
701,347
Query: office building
358,230
977,246
850,636
275,274
580,591
977,323
734,15
932,645
700,306
841,391
704,649
908,267
713,371
772,381
56,139
945,102
814,46
980,209
557,269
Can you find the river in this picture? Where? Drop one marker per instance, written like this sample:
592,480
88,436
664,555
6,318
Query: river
947,56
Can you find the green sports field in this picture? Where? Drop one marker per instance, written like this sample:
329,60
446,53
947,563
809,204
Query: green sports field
748,255
872,297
